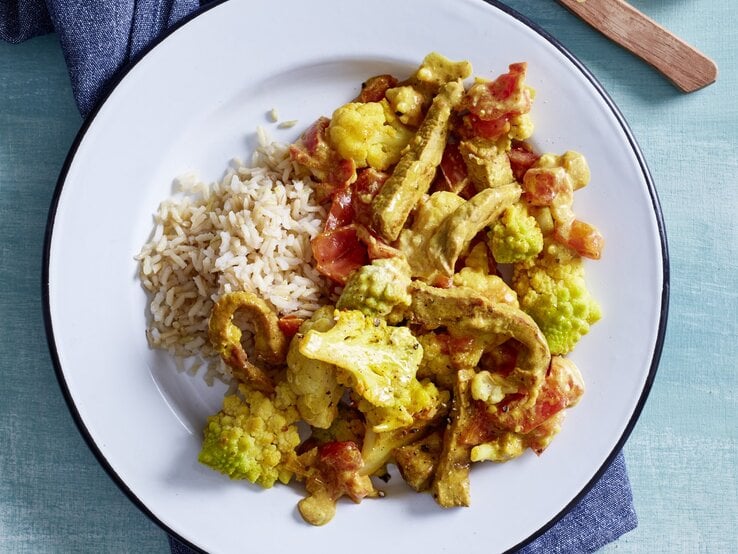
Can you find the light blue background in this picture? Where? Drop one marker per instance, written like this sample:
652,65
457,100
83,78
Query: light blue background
682,455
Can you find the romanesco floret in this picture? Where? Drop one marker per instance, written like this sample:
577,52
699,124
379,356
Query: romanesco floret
253,437
379,289
551,289
368,133
515,237
377,361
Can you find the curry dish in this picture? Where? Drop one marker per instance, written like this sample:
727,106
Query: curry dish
428,359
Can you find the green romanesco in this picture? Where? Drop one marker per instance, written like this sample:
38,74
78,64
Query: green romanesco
515,237
253,437
551,289
368,133
379,289
377,361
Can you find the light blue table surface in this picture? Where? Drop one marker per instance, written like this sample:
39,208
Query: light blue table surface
682,455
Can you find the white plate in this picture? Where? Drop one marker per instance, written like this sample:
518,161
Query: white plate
192,103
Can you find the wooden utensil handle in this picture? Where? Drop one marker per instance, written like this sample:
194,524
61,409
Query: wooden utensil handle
685,66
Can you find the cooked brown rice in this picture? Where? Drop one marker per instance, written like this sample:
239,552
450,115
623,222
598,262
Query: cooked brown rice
251,231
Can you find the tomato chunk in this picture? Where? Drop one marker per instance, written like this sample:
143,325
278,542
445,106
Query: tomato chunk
522,158
338,253
289,325
374,88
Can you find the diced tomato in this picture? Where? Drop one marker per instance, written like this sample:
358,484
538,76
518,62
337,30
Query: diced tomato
443,282
342,210
522,157
453,169
540,437
507,96
289,325
481,427
337,473
486,128
309,150
342,172
314,151
507,84
374,88
341,455
542,185
365,188
375,246
583,238
457,348
490,106
338,253
562,387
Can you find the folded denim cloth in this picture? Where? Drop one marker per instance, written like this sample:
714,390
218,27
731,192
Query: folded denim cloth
99,38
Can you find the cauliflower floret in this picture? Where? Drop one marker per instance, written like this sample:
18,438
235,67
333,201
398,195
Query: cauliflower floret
253,437
436,70
408,103
347,426
314,382
521,126
369,134
377,361
551,289
437,363
492,287
419,397
515,237
504,448
379,289
574,163
378,447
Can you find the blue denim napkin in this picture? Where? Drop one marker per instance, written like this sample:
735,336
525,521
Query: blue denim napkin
100,37
97,37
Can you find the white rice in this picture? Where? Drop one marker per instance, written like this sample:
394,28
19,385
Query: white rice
249,232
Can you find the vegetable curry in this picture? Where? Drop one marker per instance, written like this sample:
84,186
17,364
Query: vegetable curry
429,359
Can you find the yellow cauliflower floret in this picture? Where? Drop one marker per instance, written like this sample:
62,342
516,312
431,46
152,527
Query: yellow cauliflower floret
369,134
521,127
574,163
436,70
551,289
253,437
504,448
313,382
491,287
408,103
377,361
